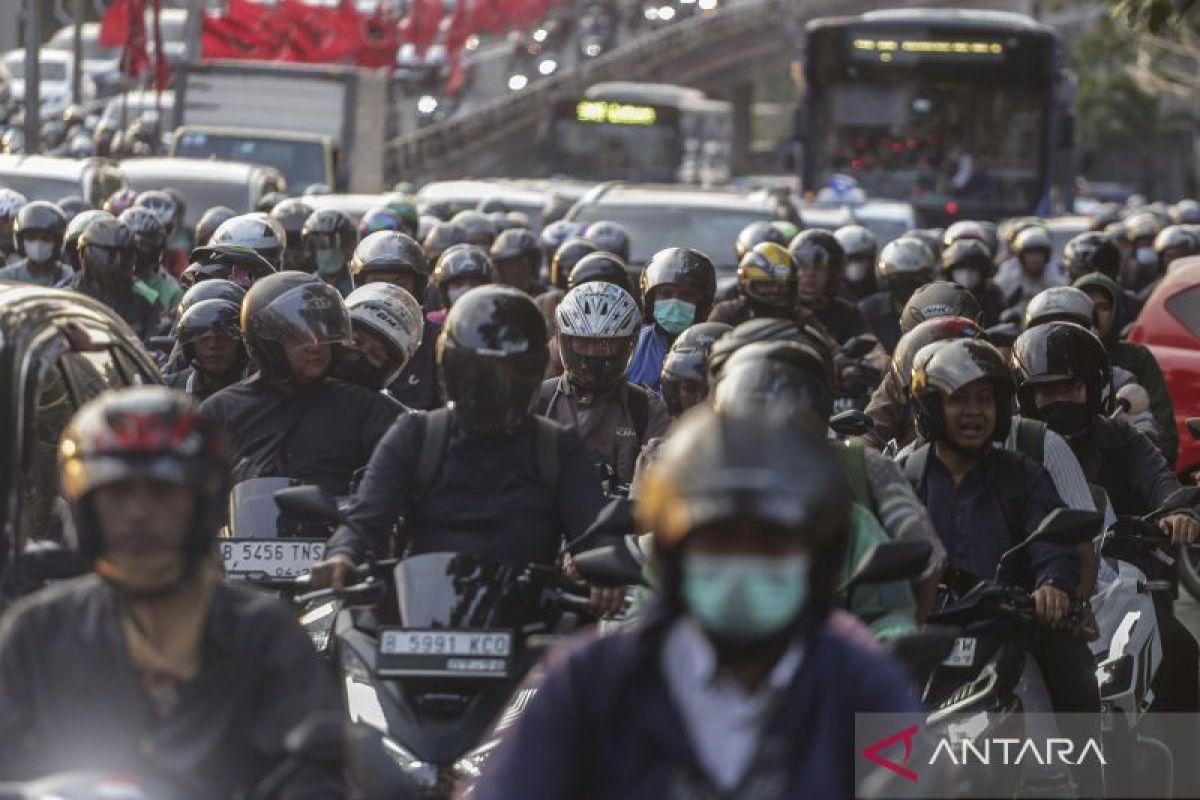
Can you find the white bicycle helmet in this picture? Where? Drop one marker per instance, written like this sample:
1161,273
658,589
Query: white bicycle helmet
394,315
598,325
257,231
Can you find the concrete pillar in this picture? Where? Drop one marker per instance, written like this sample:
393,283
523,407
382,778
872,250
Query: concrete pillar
741,96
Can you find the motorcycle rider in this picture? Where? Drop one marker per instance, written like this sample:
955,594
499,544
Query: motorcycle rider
517,256
1173,242
202,681
749,515
598,324
164,206
480,229
387,323
210,340
767,286
1032,271
984,500
1132,357
11,204
463,478
38,232
278,421
106,259
1141,266
861,249
1095,252
756,233
1063,379
820,262
904,265
684,378
329,238
968,263
232,262
461,268
292,213
150,244
609,237
678,285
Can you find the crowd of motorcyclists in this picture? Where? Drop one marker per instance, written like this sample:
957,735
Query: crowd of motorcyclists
471,385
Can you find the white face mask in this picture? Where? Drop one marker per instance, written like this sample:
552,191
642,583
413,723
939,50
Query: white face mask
965,276
38,251
856,271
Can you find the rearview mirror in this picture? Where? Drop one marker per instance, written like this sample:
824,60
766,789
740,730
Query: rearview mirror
161,344
1193,426
1067,526
851,422
309,504
612,565
857,347
891,561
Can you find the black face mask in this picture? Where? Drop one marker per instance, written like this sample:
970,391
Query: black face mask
1065,418
353,366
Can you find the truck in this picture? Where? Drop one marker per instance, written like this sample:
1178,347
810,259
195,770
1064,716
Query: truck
280,110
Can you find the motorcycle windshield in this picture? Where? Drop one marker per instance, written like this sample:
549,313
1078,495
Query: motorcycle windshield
455,590
253,513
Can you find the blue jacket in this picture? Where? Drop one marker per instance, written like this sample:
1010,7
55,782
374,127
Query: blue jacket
645,368
603,724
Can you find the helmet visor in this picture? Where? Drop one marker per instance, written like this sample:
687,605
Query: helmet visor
308,315
107,262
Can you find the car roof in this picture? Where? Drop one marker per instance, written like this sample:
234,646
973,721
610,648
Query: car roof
652,194
252,133
190,168
353,204
530,190
44,54
49,166
18,300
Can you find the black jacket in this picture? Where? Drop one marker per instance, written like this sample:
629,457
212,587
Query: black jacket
488,499
418,387
71,699
320,435
141,315
842,319
881,314
1122,460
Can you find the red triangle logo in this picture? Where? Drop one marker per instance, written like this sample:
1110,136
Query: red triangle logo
871,753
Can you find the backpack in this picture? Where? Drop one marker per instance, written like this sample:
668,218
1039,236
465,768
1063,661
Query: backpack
854,465
638,405
1031,438
1010,479
435,435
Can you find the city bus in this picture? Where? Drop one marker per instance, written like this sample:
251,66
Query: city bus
963,113
641,132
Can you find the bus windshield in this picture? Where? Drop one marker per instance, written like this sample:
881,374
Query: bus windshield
935,141
600,150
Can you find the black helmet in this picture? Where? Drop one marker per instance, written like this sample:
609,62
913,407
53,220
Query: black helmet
144,432
162,205
568,254
150,238
955,364
763,329
905,264
257,231
1175,241
552,236
42,221
555,208
766,278
329,238
480,229
390,251
106,251
735,464
1062,351
931,330
782,374
491,205
287,309
209,221
1059,304
517,256
818,249
441,238
212,289
491,357
685,369
75,229
1091,252
379,219
600,267
292,214
939,299
609,237
73,205
967,254
681,266
268,201
209,318
442,209
232,262
462,262
756,233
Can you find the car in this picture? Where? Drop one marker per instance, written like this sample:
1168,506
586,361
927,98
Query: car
101,64
1169,324
527,196
48,178
57,80
204,183
658,216
58,350
302,158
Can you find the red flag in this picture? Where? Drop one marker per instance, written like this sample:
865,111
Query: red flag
162,70
459,29
380,39
114,25
135,60
420,27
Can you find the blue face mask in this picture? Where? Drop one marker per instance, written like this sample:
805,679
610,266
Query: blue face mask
674,316
745,598
329,262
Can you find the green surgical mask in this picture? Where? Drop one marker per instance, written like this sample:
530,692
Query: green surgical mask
745,598
674,316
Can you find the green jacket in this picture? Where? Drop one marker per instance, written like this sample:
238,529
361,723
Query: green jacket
167,289
1137,359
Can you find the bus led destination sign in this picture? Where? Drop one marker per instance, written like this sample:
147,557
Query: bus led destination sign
615,113
891,49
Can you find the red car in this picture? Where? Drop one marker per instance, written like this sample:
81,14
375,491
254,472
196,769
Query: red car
1170,326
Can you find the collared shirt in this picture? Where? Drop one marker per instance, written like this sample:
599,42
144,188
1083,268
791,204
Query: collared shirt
725,723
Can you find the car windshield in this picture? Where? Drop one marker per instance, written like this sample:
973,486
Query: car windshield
301,162
712,231
40,187
64,40
51,70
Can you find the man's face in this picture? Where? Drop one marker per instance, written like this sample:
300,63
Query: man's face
1033,262
217,354
814,282
308,363
970,415
1103,307
371,346
1070,390
143,527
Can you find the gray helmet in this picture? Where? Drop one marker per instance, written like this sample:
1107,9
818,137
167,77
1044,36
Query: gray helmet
1059,304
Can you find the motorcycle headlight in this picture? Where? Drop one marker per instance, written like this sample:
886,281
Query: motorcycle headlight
422,773
650,13
427,104
540,35
707,5
517,82
547,66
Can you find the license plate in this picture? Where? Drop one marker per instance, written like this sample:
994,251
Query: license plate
270,558
407,652
963,653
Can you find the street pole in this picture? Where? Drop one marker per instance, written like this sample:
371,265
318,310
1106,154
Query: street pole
33,77
193,30
77,68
